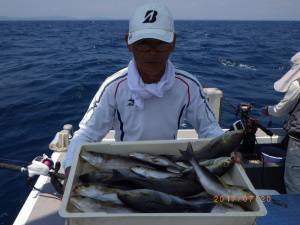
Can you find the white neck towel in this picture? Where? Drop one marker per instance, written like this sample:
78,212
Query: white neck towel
141,91
293,74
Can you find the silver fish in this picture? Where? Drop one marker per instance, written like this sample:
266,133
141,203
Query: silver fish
155,160
150,201
220,146
96,176
105,161
90,205
208,162
173,185
99,192
213,184
126,179
218,166
220,161
151,173
108,178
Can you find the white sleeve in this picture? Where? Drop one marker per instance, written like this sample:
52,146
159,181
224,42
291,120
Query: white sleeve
288,102
96,123
200,115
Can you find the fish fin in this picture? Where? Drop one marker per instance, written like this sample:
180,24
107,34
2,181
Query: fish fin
185,155
189,153
189,149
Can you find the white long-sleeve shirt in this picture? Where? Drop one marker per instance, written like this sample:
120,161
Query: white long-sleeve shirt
113,107
288,102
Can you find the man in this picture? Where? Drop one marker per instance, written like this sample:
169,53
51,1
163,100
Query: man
149,99
290,104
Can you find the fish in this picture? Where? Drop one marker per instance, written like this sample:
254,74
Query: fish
155,160
172,185
151,173
226,207
222,145
208,162
126,179
150,201
98,192
213,184
222,206
218,166
84,204
222,161
202,197
96,176
104,161
107,178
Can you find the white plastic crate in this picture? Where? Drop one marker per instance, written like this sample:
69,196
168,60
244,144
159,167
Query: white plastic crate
236,175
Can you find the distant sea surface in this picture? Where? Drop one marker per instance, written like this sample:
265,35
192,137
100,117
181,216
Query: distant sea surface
49,72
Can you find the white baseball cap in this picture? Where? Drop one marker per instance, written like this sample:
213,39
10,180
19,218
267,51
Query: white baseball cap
152,20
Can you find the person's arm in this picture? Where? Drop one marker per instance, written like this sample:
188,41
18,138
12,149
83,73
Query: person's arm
287,103
97,121
200,115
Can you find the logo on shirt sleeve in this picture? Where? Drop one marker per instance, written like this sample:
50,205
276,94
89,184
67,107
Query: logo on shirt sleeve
130,102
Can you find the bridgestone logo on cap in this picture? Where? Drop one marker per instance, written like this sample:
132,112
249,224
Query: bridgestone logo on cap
150,16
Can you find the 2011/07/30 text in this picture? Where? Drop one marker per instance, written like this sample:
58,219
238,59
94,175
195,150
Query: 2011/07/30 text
245,198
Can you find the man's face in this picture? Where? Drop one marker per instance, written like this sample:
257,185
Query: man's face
151,56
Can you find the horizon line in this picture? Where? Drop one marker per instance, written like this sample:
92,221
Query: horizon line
113,19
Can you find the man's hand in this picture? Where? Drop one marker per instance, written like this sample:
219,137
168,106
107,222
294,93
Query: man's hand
237,157
264,111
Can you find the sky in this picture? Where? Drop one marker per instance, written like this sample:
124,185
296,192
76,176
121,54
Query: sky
181,9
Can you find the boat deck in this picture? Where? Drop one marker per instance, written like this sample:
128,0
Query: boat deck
41,208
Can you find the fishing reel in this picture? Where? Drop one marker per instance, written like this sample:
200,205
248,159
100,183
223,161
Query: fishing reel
43,165
249,125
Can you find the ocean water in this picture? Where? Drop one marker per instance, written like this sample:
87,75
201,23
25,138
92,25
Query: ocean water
49,72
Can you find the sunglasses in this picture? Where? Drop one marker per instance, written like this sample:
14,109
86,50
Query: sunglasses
144,47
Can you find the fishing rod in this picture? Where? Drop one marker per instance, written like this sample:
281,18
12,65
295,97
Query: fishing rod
246,122
245,109
249,125
40,165
44,165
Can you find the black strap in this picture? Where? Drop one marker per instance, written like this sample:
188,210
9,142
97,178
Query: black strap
295,106
296,103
